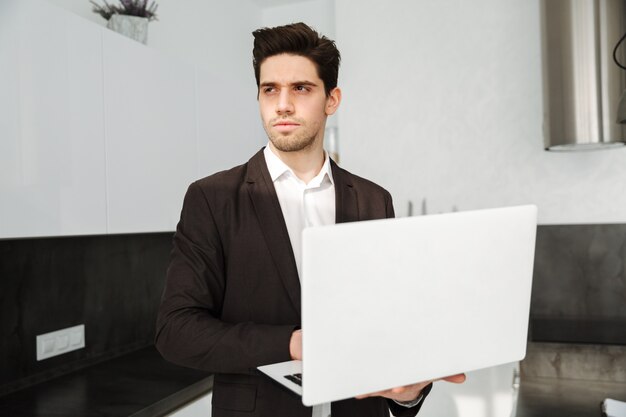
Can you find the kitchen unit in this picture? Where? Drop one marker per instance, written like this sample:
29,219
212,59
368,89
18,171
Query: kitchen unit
73,173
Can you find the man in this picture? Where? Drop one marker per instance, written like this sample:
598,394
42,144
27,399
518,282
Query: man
232,297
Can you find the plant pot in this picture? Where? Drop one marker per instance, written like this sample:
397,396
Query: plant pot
130,26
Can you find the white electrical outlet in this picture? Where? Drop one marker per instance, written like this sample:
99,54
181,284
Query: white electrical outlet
60,341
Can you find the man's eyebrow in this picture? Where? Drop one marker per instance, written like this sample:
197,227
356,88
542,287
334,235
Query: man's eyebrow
311,83
273,84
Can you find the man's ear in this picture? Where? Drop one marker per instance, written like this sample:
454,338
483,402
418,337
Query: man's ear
332,101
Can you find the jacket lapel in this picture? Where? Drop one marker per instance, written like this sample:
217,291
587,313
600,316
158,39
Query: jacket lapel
273,227
346,204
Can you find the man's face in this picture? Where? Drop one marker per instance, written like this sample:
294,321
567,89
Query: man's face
293,103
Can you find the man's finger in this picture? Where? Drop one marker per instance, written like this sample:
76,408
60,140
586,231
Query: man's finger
457,379
372,394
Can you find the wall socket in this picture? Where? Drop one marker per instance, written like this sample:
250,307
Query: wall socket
60,342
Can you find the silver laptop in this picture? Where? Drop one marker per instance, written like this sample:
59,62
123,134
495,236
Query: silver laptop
392,302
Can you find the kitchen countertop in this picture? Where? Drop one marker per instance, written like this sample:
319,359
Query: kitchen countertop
138,384
142,383
554,397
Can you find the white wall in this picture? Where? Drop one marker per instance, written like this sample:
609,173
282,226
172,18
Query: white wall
319,14
443,102
79,7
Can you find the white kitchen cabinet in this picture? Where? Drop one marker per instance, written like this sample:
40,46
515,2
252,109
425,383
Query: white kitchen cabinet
150,130
488,392
200,407
52,163
9,102
100,134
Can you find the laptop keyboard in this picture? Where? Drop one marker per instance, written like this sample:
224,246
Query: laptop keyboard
295,378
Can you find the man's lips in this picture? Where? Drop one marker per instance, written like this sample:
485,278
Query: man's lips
284,126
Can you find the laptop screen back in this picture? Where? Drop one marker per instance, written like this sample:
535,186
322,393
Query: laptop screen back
387,303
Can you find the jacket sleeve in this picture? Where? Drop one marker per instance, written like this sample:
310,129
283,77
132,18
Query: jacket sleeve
399,411
189,330
389,211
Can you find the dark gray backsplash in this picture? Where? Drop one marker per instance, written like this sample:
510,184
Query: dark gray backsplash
571,361
112,284
579,284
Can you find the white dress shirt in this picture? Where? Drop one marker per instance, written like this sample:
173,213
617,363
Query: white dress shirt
303,205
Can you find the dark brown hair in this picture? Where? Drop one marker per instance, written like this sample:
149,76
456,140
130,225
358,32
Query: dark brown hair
298,39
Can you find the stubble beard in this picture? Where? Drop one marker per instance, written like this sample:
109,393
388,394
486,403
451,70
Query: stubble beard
294,142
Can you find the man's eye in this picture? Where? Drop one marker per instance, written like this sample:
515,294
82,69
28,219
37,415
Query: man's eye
301,88
267,90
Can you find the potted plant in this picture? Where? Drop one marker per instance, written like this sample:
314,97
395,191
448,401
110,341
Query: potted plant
129,17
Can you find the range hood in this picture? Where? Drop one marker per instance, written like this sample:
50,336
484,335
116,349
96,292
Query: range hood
583,85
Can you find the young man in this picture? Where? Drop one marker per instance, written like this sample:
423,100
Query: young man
232,297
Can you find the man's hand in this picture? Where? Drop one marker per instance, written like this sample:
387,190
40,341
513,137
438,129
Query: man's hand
295,345
411,392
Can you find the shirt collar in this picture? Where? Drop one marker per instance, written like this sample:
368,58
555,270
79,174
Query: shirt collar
278,168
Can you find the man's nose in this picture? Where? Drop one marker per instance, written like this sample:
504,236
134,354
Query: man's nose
284,105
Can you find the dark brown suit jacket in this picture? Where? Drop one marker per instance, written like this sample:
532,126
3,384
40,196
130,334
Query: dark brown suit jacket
232,296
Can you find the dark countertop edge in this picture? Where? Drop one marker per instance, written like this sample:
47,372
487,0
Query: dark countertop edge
186,392
177,400
70,368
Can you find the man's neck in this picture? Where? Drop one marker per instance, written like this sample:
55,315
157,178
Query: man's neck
306,164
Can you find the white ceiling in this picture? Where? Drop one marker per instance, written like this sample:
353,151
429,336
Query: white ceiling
274,3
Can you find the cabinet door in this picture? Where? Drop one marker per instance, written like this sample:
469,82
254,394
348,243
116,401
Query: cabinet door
52,141
9,102
150,140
